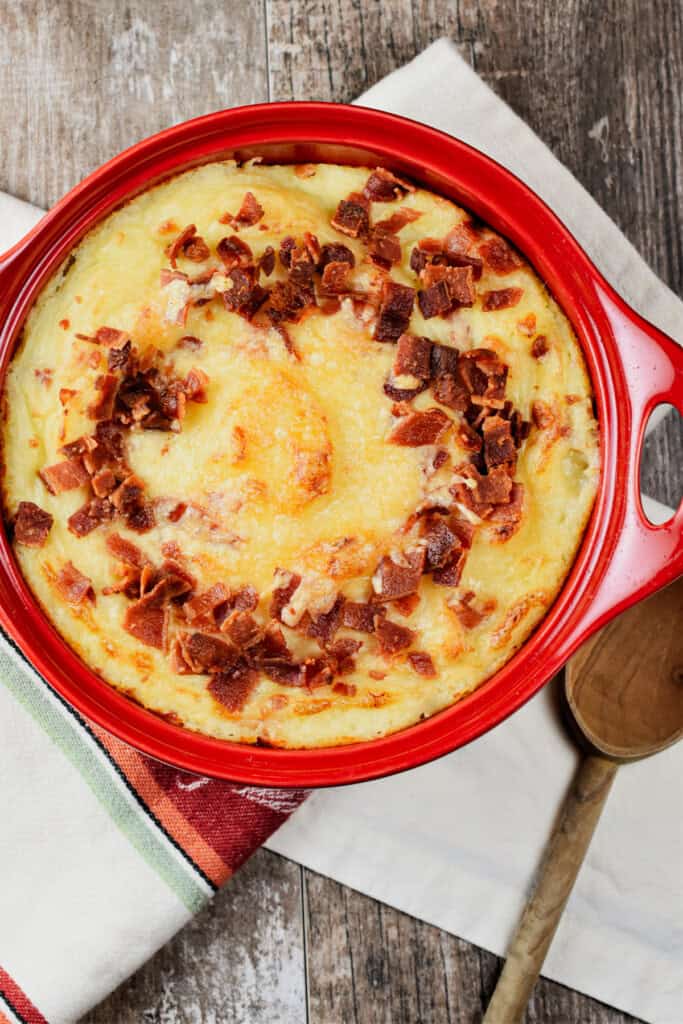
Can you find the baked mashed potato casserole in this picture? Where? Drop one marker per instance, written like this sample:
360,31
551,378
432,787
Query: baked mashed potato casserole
297,455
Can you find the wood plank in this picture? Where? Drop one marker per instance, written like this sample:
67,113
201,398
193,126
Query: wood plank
241,960
81,80
369,964
334,49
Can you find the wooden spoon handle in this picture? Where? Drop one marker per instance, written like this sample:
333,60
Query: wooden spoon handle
556,876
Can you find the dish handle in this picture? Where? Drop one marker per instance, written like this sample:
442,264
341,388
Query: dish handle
644,557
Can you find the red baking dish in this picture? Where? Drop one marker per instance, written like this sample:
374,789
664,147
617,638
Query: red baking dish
633,366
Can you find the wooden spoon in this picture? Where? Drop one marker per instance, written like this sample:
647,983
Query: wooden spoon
624,700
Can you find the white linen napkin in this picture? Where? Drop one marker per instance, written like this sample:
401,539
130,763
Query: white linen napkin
456,843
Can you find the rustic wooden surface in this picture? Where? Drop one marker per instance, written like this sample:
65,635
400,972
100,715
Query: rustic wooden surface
599,80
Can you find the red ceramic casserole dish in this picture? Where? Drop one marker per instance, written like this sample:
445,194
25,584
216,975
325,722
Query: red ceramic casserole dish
633,367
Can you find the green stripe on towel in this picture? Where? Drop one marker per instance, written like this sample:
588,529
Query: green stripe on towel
82,752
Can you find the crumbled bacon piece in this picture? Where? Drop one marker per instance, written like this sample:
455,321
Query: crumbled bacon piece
451,392
403,394
129,494
242,628
287,302
398,220
335,252
406,605
351,216
359,615
527,325
468,437
540,346
323,627
396,305
419,428
128,500
110,337
267,261
434,300
312,246
199,610
460,283
335,277
446,289
506,519
288,673
504,298
422,663
119,358
196,250
90,516
495,487
104,482
444,360
188,244
103,406
272,646
317,671
244,599
392,580
392,638
205,653
499,445
499,256
244,296
74,587
64,476
31,525
234,252
126,551
342,652
287,246
450,573
458,241
233,688
463,529
485,376
345,689
413,357
384,248
383,187
250,212
301,266
440,539
418,259
282,595
195,386
147,618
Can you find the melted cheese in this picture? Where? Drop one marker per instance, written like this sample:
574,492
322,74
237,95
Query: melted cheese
287,464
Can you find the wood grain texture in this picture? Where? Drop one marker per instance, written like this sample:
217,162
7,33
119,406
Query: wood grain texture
599,81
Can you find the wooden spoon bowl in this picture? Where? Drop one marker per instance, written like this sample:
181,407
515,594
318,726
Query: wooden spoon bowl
624,688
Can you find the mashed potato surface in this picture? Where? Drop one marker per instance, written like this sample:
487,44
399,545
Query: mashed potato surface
346,432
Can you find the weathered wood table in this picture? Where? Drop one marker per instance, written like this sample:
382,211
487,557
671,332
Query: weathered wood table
601,83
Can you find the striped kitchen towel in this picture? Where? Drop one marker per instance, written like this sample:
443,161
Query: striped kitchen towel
104,853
